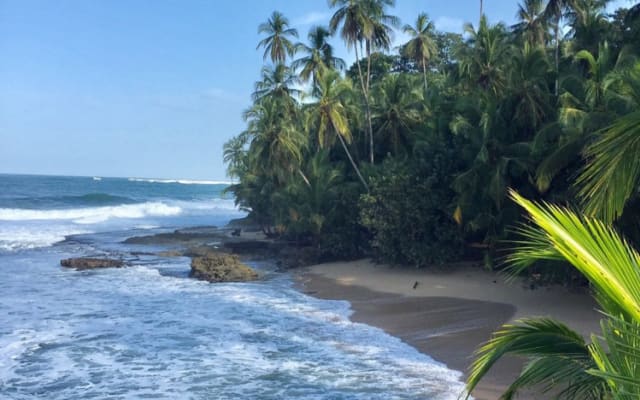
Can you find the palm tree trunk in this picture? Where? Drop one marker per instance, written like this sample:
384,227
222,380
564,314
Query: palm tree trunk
481,9
353,163
365,92
424,73
557,32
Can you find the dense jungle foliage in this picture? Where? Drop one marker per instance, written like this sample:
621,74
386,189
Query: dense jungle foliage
409,153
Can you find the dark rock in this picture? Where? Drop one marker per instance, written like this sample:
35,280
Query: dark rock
247,246
82,263
221,267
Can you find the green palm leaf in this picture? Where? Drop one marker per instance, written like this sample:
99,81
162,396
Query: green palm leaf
612,174
596,250
542,338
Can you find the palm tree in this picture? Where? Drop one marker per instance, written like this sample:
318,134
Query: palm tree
277,45
313,202
588,24
277,144
532,26
483,62
397,110
528,79
588,104
234,155
353,16
554,11
612,174
558,357
364,22
278,84
422,46
328,117
319,56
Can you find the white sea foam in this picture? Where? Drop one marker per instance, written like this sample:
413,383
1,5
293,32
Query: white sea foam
22,341
140,333
93,214
24,237
181,181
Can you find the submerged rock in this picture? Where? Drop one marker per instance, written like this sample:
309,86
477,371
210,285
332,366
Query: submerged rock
220,267
82,263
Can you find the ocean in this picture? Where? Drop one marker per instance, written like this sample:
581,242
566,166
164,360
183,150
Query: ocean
149,331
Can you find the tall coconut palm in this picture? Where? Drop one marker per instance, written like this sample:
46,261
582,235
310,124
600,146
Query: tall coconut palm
587,19
364,22
277,45
397,110
278,83
319,56
532,26
560,358
277,144
328,116
234,155
484,60
553,12
422,45
528,79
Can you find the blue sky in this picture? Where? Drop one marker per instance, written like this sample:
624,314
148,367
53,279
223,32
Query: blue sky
147,88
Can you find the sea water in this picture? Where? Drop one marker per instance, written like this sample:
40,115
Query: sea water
151,332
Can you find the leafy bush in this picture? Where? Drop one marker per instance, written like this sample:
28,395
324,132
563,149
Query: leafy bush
409,211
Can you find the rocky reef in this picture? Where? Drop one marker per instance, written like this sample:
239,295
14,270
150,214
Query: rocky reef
216,266
83,263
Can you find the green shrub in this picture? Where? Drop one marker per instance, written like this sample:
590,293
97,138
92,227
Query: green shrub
409,211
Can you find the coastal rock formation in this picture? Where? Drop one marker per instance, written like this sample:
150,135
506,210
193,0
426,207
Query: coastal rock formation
82,263
220,267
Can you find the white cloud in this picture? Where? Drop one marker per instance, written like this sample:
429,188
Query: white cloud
449,24
314,17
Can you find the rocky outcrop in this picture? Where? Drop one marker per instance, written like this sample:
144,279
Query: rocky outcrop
220,267
82,263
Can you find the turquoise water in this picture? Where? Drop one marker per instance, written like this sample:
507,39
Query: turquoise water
149,331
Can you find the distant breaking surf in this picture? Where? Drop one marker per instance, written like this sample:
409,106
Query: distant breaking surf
181,181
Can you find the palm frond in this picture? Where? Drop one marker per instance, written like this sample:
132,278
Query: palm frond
612,173
540,337
595,249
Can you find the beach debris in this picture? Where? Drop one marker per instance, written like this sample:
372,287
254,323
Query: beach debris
415,285
82,263
221,267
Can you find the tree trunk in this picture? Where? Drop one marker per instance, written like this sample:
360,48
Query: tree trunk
353,163
557,54
424,73
366,103
481,9
365,92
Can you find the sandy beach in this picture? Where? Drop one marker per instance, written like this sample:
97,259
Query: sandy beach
447,313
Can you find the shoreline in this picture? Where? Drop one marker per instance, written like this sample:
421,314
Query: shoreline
445,312
449,312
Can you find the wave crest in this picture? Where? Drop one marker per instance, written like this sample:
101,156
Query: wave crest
180,181
92,215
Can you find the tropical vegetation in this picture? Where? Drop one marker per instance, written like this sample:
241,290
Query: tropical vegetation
423,139
409,155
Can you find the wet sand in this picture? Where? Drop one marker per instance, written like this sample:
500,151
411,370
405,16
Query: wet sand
447,313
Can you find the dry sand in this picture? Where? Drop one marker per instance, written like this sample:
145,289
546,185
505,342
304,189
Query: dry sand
449,312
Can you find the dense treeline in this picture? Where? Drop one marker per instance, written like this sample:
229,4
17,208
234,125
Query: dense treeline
410,152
